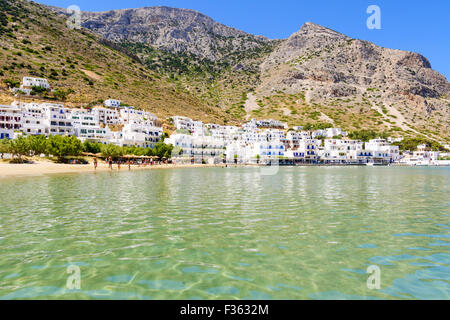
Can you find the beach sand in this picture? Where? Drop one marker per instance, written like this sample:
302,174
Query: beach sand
40,168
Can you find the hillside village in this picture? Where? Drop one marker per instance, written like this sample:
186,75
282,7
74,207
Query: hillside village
254,142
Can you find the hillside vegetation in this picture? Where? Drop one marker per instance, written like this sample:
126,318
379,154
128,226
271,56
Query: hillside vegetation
180,62
35,41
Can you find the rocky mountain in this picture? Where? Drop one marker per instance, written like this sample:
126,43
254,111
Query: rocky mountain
318,54
82,67
317,76
174,30
394,89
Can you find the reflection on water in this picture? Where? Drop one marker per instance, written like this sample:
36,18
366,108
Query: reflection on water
216,233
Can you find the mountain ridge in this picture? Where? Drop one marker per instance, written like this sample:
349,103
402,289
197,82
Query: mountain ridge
317,75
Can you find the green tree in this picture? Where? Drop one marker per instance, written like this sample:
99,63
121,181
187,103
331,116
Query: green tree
12,83
111,150
64,146
5,147
72,146
162,150
20,147
92,147
366,135
62,94
412,143
37,144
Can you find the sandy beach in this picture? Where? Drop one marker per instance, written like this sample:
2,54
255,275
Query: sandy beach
40,168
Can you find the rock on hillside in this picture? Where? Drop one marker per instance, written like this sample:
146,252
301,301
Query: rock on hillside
171,29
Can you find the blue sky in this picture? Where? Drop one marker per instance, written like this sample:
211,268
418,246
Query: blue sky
412,25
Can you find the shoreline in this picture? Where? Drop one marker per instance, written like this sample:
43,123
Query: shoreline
42,168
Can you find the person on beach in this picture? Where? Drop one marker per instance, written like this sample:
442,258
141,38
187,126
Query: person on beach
110,162
129,165
118,165
95,163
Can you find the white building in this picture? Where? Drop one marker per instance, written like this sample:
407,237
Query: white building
269,123
33,120
268,150
10,121
334,132
137,134
57,119
393,140
197,147
112,103
87,127
185,123
338,150
29,82
273,135
261,152
106,116
308,149
132,115
383,149
424,153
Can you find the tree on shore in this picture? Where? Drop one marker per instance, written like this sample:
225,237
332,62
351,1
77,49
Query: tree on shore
37,144
92,147
5,147
161,150
64,146
111,150
20,147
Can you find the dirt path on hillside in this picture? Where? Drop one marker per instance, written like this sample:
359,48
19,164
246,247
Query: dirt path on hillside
250,105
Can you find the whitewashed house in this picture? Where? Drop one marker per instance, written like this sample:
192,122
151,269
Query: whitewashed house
334,132
308,149
266,123
57,119
319,133
424,153
29,82
87,127
273,135
185,123
383,149
33,120
138,134
240,152
112,103
342,150
10,121
106,116
268,150
130,115
197,147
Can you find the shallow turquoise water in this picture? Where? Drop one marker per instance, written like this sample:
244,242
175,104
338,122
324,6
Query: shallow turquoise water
216,233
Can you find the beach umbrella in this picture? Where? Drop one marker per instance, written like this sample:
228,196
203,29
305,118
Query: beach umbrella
88,154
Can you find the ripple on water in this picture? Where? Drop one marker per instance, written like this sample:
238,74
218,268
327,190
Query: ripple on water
223,290
121,278
163,284
227,233
195,269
